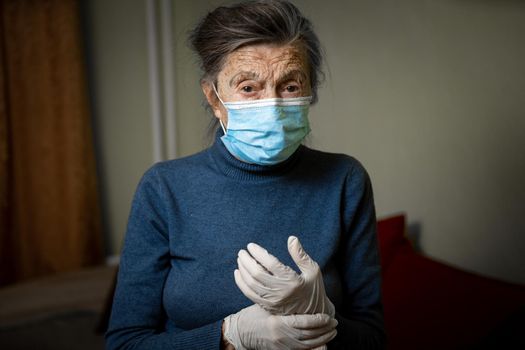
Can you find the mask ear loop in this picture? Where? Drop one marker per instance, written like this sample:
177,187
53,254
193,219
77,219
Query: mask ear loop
217,94
222,126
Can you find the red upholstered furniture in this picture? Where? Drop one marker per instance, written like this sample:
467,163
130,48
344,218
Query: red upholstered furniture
431,305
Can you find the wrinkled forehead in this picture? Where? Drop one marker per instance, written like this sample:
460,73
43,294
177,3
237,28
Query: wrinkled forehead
266,62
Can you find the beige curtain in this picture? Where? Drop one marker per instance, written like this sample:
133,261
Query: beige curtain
49,213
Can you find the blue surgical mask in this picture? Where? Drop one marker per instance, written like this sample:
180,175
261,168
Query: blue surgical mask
267,131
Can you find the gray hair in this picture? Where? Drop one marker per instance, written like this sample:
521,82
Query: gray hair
227,28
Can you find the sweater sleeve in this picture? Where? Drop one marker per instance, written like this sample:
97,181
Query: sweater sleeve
361,315
138,318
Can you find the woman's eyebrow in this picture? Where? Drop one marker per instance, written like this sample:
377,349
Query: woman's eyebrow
245,75
293,74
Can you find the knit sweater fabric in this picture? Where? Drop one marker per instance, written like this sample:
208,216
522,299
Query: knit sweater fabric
191,216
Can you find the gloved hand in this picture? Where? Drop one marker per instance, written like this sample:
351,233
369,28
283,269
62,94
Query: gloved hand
256,329
278,288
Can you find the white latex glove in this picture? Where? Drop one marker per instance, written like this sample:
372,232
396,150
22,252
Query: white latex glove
279,289
254,328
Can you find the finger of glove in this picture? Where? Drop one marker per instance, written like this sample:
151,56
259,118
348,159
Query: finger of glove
307,321
247,291
306,334
309,337
308,344
299,255
265,285
319,341
247,264
270,262
280,330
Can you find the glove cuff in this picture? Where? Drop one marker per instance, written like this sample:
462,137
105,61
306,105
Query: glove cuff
231,332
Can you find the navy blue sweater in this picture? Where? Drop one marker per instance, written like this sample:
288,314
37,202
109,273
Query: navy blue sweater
191,216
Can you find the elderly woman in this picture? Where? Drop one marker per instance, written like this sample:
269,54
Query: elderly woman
257,242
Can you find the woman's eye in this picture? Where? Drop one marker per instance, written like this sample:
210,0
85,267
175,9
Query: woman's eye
247,89
292,88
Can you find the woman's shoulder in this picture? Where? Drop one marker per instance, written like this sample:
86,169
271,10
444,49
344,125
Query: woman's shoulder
176,170
177,165
338,162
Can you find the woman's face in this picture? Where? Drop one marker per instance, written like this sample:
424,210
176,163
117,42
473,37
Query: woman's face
258,72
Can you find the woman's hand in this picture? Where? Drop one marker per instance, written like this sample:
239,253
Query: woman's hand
278,288
256,329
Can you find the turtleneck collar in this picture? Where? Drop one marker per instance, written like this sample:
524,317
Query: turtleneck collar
235,168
